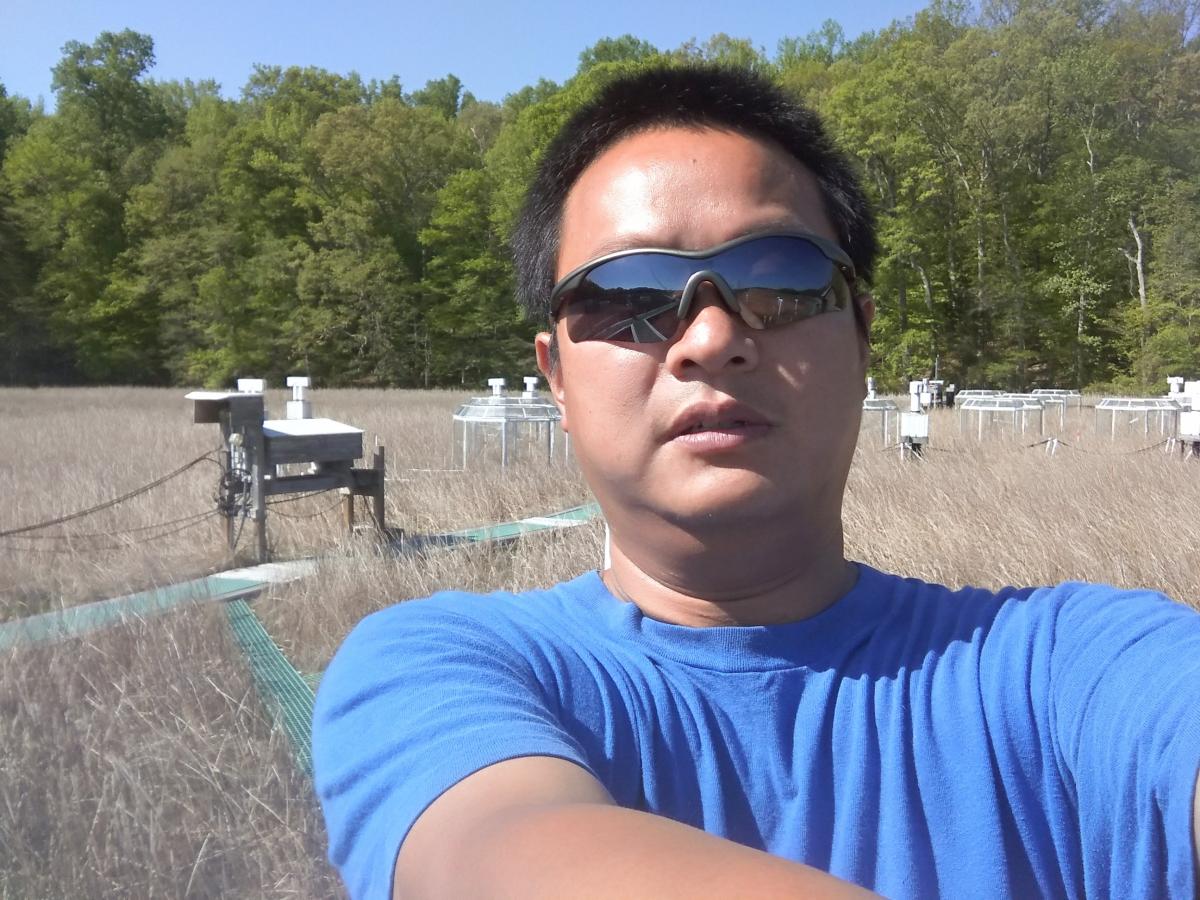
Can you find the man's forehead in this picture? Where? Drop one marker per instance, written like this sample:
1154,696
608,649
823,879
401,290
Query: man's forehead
688,188
637,240
636,158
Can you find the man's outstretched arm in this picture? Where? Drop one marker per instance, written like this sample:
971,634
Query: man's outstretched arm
1196,835
544,827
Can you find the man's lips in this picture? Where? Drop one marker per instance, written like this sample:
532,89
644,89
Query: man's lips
727,417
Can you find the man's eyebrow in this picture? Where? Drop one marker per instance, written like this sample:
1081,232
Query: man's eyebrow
628,242
640,242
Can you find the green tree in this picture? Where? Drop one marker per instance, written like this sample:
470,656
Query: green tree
481,121
21,332
374,184
442,95
475,326
724,50
1034,168
108,104
179,231
68,178
625,48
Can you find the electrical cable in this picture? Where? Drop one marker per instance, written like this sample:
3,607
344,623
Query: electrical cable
320,512
91,535
1062,443
1144,449
245,514
94,548
107,504
304,496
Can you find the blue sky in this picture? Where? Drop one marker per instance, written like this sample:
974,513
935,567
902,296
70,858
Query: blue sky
495,48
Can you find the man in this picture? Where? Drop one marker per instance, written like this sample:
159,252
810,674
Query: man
732,708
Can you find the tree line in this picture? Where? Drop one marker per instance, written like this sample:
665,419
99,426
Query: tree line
1034,164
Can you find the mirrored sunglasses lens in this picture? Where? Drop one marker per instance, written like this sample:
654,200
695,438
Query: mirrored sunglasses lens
783,261
781,279
776,279
632,298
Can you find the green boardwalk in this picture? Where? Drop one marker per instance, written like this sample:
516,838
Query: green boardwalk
79,620
236,584
288,694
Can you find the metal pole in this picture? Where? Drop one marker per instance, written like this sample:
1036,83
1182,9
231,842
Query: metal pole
257,452
226,468
348,511
377,506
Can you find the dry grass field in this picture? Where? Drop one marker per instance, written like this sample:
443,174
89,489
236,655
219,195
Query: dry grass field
140,762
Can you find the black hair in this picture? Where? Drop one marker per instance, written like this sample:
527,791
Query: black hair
692,95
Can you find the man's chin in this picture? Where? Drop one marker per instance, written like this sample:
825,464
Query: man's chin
735,503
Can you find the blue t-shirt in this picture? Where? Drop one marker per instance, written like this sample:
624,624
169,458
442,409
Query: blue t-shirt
917,741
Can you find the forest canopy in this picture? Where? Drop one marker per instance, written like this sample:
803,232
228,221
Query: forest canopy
1035,167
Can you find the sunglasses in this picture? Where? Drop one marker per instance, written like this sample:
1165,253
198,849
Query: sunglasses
642,296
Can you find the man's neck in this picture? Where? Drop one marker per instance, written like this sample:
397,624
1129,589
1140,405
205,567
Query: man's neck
754,585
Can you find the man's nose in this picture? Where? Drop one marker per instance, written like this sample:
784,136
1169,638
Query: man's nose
713,337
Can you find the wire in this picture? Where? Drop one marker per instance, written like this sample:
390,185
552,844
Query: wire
94,548
113,502
245,514
88,535
1062,443
1151,447
299,497
320,512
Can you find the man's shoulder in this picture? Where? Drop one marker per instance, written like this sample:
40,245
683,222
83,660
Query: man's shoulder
904,590
1032,614
917,599
462,613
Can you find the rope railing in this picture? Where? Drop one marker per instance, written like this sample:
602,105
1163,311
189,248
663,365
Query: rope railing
1057,442
118,532
108,504
92,547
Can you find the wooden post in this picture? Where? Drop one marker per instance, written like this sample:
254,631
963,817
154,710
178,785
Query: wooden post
242,416
256,453
348,510
377,490
226,457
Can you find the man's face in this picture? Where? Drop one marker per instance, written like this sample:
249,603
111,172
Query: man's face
723,423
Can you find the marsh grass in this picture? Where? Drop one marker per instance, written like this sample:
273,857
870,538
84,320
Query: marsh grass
140,762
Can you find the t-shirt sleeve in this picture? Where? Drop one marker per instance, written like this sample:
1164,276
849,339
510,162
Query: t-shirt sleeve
417,698
1126,713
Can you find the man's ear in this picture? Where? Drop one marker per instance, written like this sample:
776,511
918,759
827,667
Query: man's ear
551,368
866,308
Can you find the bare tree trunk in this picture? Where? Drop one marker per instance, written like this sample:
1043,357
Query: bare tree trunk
1138,260
927,289
926,285
1014,263
1081,304
980,258
1079,333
